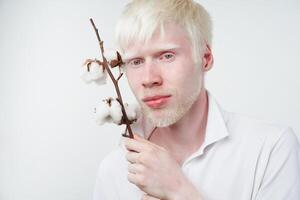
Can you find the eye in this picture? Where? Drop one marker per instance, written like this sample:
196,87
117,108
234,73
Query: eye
135,62
168,57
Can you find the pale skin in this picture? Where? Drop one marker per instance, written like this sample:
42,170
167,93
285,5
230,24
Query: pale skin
155,164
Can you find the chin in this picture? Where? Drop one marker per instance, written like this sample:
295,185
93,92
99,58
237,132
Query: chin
163,122
165,117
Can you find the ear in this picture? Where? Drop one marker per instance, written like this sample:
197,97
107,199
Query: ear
207,59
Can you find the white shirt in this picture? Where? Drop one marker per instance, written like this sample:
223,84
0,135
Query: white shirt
242,158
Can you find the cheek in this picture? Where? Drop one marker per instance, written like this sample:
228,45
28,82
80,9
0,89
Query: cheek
133,80
189,85
184,77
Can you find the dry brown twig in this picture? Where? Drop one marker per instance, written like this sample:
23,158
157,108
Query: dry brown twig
106,66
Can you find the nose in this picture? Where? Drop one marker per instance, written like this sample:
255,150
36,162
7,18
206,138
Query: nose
152,76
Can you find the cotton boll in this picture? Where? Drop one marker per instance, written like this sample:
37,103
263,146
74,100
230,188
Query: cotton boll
95,73
116,111
132,111
102,113
86,76
109,110
101,80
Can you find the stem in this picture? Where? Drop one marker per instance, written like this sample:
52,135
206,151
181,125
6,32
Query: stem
119,76
115,82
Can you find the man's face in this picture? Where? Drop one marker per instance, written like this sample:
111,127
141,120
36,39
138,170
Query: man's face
163,76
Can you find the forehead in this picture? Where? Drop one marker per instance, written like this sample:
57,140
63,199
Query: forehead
170,37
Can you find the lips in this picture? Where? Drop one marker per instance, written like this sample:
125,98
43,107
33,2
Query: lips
156,101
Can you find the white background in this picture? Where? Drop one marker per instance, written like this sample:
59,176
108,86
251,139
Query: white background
50,146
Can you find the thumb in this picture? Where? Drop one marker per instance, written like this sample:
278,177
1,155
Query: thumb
148,197
137,137
143,140
140,139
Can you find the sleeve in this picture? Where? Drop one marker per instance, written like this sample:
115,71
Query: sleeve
104,185
281,179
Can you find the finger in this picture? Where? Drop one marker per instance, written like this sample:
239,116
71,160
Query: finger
148,197
135,168
140,139
133,157
134,178
134,145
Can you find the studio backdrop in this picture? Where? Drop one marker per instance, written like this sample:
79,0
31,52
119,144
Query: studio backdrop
50,145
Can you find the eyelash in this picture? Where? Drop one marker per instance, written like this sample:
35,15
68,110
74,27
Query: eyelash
161,56
131,62
167,54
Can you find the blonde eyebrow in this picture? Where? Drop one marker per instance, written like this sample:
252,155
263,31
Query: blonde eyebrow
164,47
128,56
167,46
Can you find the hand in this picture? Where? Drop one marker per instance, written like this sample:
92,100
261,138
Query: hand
153,169
148,197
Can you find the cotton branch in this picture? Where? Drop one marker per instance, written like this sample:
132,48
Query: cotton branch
115,81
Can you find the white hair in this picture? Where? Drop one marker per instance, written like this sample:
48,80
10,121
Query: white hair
141,18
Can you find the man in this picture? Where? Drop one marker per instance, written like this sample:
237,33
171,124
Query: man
186,147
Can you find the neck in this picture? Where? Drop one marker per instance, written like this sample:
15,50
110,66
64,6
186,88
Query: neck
188,133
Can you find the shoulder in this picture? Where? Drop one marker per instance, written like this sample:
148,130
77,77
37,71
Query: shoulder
113,163
246,127
111,175
274,148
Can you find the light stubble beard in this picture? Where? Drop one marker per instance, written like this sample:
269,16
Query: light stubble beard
170,115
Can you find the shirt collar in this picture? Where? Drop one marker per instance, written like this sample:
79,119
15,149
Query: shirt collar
216,128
